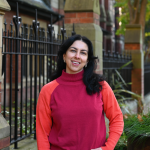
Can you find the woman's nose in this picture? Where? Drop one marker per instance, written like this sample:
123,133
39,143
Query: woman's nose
77,55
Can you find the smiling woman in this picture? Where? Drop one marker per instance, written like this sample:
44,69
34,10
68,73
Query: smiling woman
70,109
76,57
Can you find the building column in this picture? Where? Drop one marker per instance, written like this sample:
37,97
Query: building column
85,16
119,41
4,126
133,43
109,27
103,21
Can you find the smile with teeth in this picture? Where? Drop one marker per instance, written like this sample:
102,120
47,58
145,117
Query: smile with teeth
75,63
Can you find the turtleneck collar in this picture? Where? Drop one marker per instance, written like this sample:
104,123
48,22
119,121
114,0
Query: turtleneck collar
67,78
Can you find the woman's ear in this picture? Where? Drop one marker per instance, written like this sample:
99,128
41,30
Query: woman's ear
64,56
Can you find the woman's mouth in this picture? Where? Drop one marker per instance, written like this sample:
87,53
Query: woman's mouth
75,63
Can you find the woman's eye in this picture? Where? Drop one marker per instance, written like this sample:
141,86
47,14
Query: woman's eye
73,50
83,53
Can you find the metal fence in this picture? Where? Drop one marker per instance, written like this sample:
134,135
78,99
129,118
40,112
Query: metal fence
147,78
28,61
113,61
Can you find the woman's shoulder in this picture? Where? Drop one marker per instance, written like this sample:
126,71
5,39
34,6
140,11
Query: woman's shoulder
49,87
105,85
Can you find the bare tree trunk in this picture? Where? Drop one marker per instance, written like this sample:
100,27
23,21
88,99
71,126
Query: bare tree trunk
136,8
133,11
130,11
137,12
142,16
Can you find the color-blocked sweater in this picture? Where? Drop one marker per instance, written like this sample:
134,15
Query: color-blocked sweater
67,118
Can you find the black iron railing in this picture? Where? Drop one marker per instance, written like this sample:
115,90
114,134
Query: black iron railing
28,61
113,61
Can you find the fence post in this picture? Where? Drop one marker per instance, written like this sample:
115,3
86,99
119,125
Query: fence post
4,126
85,16
51,30
133,43
35,27
17,22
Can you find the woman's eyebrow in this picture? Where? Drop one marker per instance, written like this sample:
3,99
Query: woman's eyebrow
73,47
81,49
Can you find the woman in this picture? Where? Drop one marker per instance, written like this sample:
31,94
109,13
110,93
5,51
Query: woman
70,109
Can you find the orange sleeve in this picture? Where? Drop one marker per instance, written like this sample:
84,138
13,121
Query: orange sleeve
114,114
43,116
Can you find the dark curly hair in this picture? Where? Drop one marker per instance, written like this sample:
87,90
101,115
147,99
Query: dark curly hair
90,78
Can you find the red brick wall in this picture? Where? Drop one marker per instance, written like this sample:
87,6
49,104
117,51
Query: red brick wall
137,81
81,17
138,86
5,142
137,77
134,46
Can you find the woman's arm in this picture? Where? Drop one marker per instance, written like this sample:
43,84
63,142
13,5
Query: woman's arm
43,116
43,123
114,114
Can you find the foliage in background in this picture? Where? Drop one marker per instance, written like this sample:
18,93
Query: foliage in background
122,143
121,88
122,94
137,127
133,12
124,17
25,129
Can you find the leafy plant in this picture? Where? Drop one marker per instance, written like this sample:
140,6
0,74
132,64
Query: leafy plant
122,143
120,90
129,13
137,127
121,87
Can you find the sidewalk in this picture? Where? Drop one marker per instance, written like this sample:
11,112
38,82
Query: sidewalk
26,144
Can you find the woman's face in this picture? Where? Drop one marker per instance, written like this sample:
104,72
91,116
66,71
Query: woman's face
76,57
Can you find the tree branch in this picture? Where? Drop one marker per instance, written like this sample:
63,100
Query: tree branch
136,11
143,10
142,15
130,10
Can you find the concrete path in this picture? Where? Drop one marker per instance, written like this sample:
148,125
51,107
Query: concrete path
26,144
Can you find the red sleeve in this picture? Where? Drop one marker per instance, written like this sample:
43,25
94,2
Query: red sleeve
43,116
114,114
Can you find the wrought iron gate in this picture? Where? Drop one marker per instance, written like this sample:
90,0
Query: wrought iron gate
28,61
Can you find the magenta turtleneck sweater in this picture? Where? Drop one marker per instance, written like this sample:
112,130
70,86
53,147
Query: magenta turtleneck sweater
70,119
